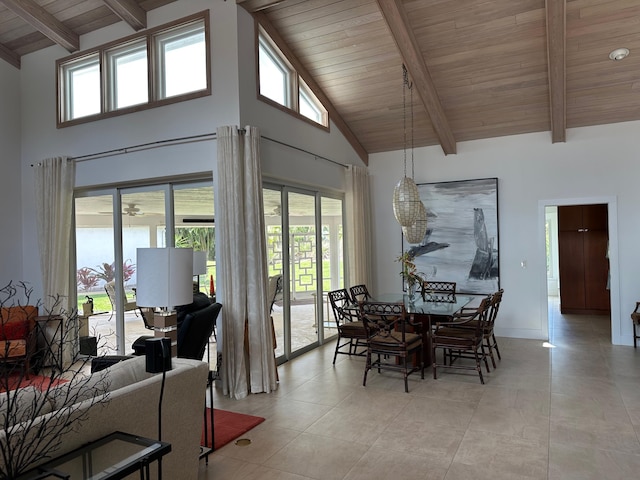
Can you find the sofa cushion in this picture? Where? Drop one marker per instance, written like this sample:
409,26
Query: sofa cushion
117,376
22,405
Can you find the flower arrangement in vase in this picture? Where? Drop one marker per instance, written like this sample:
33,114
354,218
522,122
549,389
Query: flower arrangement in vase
410,276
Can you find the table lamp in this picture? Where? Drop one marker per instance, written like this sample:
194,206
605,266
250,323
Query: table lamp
165,280
199,265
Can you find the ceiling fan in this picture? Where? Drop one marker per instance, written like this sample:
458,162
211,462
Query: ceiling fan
131,210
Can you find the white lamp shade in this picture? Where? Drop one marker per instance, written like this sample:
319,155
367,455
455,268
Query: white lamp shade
199,263
416,232
406,202
164,277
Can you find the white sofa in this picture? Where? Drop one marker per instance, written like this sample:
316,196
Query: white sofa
132,407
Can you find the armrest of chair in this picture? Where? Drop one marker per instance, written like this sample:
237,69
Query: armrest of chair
635,315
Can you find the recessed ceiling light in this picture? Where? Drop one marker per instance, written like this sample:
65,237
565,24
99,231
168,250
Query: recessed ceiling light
619,54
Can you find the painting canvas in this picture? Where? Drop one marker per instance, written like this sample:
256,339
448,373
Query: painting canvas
461,242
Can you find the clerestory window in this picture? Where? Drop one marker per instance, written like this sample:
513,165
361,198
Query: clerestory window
279,82
163,65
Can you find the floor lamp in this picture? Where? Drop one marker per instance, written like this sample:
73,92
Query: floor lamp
164,281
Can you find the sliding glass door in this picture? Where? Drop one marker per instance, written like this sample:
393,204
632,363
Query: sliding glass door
111,225
310,259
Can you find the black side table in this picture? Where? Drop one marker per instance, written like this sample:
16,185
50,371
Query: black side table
112,457
51,345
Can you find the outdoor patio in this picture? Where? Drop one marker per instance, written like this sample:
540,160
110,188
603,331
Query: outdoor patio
303,328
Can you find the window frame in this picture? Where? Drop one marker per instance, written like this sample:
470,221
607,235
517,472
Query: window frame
296,85
106,88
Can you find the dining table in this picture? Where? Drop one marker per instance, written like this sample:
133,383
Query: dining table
426,312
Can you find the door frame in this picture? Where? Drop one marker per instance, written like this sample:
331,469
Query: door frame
614,285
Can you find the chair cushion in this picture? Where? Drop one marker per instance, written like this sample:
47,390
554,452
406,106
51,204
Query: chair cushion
13,348
14,330
357,326
394,341
456,337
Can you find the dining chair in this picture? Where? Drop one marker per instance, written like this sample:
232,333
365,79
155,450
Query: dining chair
461,338
274,290
393,338
438,291
351,330
488,334
635,319
359,293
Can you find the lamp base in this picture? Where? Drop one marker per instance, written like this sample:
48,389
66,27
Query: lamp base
156,353
166,326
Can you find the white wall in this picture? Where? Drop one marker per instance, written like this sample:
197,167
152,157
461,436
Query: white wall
11,238
596,164
277,160
233,76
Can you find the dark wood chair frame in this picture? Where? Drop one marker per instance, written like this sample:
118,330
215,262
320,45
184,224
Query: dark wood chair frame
351,331
438,291
393,338
635,318
359,293
462,337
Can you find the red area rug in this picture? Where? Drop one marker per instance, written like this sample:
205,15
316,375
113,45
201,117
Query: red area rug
38,381
228,426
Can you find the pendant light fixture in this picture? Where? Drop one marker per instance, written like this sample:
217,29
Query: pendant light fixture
416,232
406,199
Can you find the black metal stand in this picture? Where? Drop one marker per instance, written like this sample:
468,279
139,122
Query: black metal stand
205,450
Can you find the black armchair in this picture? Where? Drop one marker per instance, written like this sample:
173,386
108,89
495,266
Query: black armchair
194,333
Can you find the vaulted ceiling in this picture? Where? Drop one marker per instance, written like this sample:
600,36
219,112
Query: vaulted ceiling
479,68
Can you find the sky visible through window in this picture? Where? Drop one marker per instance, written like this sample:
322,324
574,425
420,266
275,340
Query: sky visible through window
272,78
181,69
85,89
185,65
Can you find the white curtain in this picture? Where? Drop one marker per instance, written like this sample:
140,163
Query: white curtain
248,364
358,210
54,182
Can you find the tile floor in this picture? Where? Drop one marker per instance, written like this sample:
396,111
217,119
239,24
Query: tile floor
567,412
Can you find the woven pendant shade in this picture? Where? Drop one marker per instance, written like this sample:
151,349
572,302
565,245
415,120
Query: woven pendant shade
406,202
416,232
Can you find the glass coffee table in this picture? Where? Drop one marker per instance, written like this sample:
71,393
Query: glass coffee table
111,457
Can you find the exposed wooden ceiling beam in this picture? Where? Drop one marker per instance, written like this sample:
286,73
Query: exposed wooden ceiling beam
334,116
130,12
252,6
44,22
556,58
9,56
396,17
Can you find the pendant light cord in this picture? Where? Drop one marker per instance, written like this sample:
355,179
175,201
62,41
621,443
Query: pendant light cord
407,85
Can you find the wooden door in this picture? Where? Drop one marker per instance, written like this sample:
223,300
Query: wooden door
583,261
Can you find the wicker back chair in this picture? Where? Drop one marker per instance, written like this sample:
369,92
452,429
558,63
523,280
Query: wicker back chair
393,338
461,338
351,331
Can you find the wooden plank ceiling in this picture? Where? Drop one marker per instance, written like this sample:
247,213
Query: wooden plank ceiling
30,25
479,68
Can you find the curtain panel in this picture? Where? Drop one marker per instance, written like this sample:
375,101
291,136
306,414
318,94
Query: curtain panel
248,363
54,182
358,212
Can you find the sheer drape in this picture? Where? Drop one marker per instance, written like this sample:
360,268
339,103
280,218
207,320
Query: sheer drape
243,268
54,181
358,208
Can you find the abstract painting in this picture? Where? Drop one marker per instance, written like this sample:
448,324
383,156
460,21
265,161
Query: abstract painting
461,242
